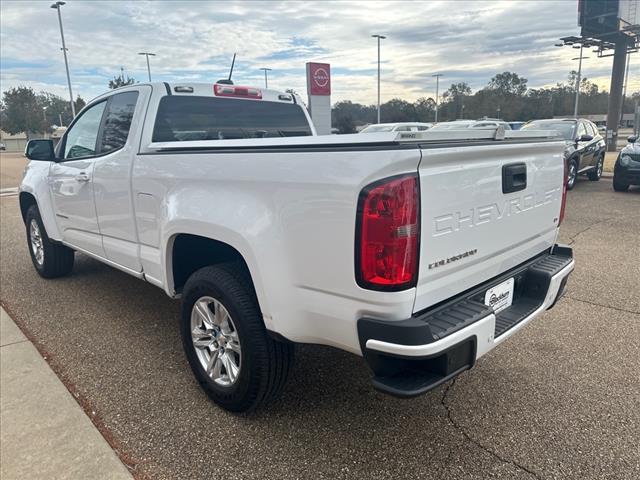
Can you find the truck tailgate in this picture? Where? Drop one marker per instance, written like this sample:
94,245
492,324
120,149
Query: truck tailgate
484,209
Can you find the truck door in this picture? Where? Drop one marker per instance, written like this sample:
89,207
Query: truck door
71,182
118,145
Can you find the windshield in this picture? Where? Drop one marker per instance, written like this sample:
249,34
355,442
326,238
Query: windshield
182,118
566,129
378,128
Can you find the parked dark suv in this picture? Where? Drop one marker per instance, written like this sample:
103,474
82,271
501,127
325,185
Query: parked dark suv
585,146
627,169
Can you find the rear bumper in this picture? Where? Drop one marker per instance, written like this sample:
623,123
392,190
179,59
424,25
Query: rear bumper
413,356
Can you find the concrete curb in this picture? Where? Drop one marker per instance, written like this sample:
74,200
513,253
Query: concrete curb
45,433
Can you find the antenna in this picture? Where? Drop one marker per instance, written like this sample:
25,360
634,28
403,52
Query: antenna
228,81
233,62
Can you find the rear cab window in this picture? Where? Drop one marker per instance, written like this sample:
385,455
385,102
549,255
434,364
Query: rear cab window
182,118
117,121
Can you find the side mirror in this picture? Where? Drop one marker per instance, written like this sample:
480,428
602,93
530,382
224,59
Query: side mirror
585,138
41,149
632,139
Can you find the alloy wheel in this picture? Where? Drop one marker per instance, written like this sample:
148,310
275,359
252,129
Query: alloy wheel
572,174
215,340
36,242
600,166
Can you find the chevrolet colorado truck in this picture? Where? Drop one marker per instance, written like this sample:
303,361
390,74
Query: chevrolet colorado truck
419,251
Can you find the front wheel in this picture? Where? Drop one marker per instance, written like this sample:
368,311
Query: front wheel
572,174
596,173
619,186
50,259
229,350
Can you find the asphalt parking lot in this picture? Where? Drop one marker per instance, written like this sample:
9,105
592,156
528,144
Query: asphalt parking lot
559,400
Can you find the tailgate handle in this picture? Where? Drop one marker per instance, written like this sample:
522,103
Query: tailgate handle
514,177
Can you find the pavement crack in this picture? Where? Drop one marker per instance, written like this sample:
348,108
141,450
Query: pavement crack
572,238
486,449
601,305
14,343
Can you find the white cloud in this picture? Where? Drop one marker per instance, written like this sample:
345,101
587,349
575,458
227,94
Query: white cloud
467,41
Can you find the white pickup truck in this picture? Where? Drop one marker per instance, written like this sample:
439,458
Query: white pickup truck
419,251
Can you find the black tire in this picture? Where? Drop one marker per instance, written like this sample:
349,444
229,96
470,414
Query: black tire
572,175
264,362
618,186
57,259
595,174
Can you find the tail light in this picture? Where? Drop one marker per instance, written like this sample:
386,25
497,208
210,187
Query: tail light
387,234
234,91
564,192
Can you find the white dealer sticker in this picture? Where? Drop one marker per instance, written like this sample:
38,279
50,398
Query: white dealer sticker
500,296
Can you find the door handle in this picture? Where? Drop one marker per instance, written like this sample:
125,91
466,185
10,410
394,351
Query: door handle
82,177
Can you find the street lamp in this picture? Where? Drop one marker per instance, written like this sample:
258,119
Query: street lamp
379,37
580,58
266,83
437,75
147,54
57,6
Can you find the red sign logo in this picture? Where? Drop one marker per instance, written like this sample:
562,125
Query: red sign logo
319,78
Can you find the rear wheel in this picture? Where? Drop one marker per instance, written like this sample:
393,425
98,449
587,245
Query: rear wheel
619,186
50,259
572,174
596,173
230,352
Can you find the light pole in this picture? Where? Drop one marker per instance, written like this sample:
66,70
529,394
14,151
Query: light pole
575,106
437,75
57,6
266,83
147,54
379,37
580,58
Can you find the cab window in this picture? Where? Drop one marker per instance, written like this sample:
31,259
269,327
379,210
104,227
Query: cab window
82,137
117,121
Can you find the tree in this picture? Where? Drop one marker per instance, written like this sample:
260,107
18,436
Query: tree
455,94
397,110
507,83
425,109
23,112
79,103
121,81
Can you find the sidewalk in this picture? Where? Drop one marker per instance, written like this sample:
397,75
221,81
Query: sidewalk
44,434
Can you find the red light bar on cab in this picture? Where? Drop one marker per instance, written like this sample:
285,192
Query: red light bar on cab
236,91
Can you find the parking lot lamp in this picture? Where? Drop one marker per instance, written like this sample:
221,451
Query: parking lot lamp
379,37
57,6
147,54
437,75
266,83
575,106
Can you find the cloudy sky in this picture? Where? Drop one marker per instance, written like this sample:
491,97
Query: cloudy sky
466,41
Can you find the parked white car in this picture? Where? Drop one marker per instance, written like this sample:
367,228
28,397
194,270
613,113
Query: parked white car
397,127
417,250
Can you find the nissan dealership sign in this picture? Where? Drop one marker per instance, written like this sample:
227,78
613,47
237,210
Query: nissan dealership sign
319,78
319,91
